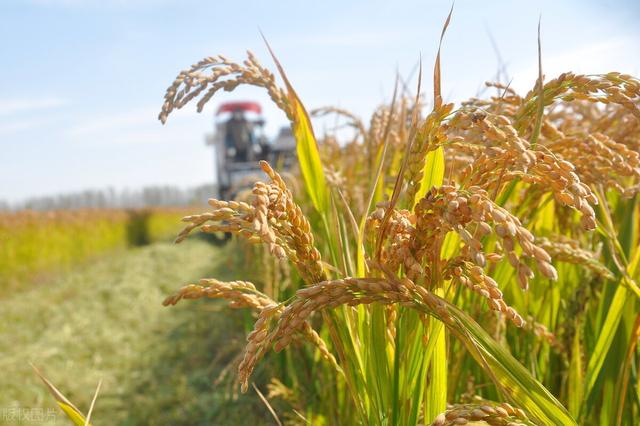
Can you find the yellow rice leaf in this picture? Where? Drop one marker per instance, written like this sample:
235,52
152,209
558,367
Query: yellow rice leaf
306,146
69,409
309,156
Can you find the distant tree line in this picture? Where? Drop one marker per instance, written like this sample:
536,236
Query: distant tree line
111,198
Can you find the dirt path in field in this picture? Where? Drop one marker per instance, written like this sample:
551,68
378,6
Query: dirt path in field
105,321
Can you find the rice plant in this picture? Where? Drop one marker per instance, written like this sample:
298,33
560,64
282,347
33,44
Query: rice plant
451,263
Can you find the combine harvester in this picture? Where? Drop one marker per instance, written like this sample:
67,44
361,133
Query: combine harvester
239,143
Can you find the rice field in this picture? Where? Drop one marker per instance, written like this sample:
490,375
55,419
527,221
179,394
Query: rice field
439,264
449,264
37,243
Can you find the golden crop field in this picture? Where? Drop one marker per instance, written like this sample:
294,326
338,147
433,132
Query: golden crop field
33,242
451,264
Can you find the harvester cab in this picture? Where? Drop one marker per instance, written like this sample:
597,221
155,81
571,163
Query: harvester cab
239,143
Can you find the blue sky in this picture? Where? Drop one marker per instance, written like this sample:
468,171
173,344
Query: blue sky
82,81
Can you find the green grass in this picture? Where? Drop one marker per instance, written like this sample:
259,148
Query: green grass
105,321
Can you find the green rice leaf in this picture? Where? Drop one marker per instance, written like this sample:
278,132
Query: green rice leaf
621,297
576,377
436,392
433,172
514,381
623,378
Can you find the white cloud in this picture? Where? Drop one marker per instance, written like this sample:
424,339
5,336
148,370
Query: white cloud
98,3
352,39
587,59
142,136
136,127
13,106
116,121
16,126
